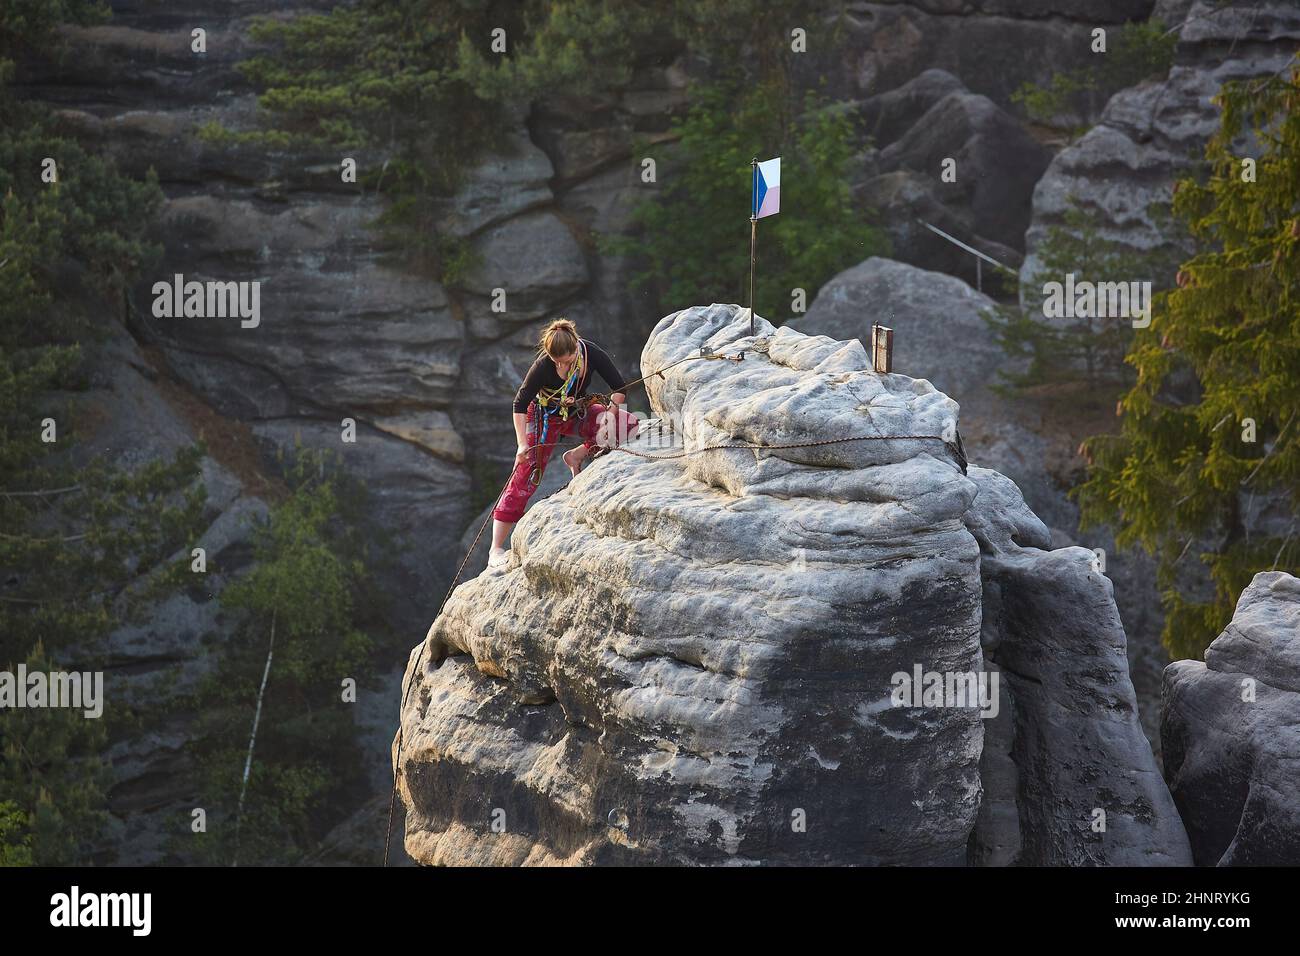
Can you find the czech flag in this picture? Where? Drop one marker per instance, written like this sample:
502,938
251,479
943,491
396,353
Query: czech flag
767,189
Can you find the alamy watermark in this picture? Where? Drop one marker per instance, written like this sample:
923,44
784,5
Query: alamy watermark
80,691
76,909
1098,300
966,689
179,299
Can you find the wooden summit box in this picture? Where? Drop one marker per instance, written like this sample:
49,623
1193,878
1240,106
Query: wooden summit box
882,348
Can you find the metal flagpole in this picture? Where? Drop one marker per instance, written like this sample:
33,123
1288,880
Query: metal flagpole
753,236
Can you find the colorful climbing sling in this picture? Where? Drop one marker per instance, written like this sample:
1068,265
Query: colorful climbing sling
551,402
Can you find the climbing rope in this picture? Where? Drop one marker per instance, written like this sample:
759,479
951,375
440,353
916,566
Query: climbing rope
800,444
582,405
392,800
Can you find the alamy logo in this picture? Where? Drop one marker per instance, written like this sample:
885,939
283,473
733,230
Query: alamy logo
1098,300
103,909
82,691
923,688
208,300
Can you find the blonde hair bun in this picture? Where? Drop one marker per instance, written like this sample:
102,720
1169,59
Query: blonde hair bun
559,338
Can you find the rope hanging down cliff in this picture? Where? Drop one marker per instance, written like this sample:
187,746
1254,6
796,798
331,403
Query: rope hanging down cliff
761,346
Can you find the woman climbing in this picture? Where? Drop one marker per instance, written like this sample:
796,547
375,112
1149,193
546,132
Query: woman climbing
548,407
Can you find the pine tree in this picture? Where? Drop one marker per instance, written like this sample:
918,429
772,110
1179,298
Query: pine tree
1088,351
422,89
1210,428
84,545
1140,50
305,600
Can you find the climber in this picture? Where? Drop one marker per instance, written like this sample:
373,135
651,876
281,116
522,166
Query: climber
549,406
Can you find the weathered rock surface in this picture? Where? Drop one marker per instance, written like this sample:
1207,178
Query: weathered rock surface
983,42
535,259
1231,729
347,330
128,421
338,328
1087,790
940,336
920,127
506,184
414,502
344,331
938,332
888,116
691,660
995,161
554,479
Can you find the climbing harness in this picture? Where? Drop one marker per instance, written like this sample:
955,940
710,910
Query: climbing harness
556,402
580,407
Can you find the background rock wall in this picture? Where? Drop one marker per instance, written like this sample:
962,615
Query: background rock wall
1154,133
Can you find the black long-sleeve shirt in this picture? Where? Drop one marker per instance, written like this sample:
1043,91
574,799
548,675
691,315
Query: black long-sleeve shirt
542,374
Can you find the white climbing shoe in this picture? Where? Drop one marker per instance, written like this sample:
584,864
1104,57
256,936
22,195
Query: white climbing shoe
498,557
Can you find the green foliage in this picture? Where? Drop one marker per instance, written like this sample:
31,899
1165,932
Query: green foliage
694,237
1143,50
1223,346
30,24
587,46
570,46
78,529
1140,50
418,87
95,547
359,75
1043,103
88,226
52,777
381,79
15,843
307,593
83,545
1086,350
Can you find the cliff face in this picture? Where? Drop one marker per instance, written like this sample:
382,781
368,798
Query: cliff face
424,370
1154,133
1122,171
695,660
346,330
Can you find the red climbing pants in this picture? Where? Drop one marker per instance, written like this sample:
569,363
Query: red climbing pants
592,429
